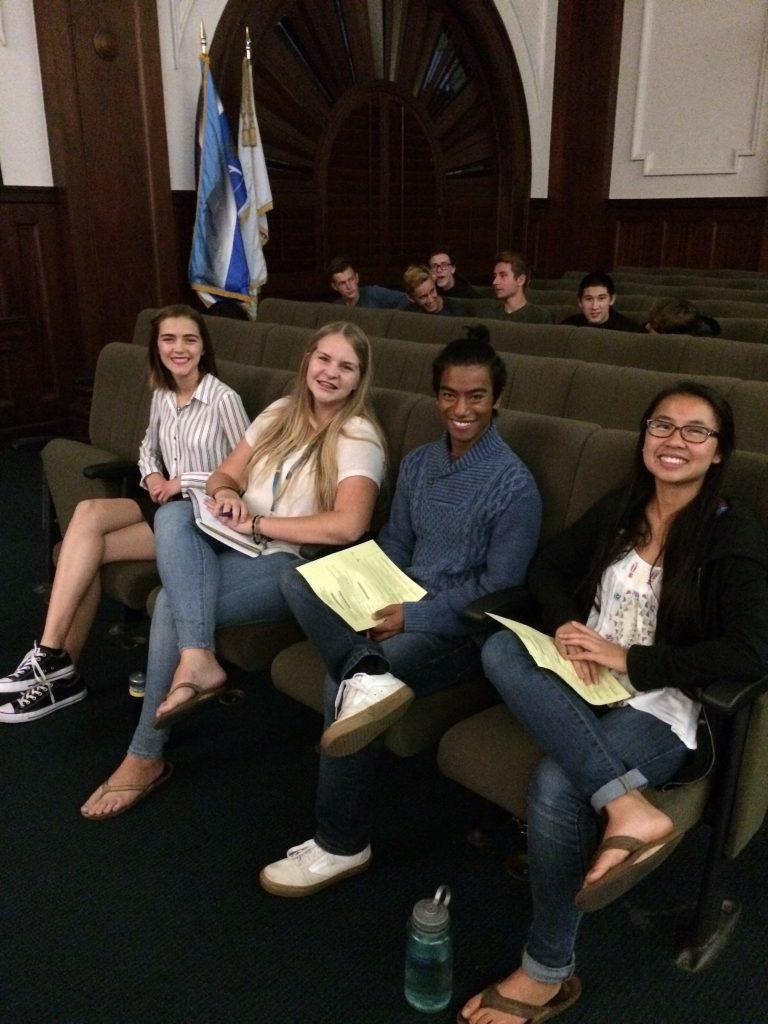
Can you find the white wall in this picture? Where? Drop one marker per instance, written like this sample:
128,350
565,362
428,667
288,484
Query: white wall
24,155
532,28
179,23
692,110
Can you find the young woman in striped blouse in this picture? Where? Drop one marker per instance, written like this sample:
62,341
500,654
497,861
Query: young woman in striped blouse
195,421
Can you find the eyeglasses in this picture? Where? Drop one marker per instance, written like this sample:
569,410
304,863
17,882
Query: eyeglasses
440,266
690,432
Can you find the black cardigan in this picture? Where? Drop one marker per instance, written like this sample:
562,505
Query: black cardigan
733,582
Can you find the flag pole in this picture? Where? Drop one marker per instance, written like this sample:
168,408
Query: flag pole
203,41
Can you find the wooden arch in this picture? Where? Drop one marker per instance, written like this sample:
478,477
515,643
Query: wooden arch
389,126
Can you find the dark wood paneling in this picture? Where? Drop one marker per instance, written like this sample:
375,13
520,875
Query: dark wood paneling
103,93
39,351
587,57
700,233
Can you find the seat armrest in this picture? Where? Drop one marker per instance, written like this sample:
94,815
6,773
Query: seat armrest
727,697
117,470
512,602
31,444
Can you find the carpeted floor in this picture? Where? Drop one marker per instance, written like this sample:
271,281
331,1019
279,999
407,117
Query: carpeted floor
157,917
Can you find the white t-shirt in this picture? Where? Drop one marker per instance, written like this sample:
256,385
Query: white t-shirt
291,490
629,604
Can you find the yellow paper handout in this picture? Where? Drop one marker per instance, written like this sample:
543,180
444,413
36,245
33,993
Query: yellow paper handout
542,648
359,581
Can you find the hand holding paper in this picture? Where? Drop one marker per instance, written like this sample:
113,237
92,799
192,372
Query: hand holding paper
542,649
359,581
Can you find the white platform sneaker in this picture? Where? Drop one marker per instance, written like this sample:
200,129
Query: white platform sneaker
366,706
309,868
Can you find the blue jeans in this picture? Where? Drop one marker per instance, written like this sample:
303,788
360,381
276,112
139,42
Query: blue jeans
425,661
205,585
592,759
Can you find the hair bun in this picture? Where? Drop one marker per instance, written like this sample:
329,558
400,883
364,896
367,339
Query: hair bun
479,333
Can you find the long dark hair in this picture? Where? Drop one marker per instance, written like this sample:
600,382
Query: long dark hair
160,376
678,618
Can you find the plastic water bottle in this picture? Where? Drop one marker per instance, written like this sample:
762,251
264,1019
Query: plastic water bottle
429,954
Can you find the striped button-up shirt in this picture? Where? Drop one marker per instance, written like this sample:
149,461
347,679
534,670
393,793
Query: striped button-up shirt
191,442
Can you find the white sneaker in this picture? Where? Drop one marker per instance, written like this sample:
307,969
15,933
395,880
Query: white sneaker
366,706
309,868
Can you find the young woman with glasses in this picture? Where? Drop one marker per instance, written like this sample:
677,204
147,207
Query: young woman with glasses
664,584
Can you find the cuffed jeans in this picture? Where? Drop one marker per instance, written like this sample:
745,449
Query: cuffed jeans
205,585
592,759
425,661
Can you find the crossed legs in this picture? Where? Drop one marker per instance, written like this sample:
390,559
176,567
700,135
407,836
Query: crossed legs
101,530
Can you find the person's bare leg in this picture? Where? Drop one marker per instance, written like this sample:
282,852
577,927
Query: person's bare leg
79,630
518,985
196,665
628,815
132,771
101,530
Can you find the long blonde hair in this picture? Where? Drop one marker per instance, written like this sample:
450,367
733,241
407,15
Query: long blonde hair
291,428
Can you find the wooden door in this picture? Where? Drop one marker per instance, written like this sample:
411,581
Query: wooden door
389,126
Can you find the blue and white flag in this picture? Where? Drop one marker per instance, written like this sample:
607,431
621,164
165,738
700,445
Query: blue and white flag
218,267
253,218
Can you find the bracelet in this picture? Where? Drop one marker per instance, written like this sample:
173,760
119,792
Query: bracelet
226,487
258,537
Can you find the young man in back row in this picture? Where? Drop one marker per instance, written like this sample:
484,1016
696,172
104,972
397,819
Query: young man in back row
464,522
422,291
345,281
511,275
596,295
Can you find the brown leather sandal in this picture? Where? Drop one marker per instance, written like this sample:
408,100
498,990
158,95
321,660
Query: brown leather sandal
492,999
199,696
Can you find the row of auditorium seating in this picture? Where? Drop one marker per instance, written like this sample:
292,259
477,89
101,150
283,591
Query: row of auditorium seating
681,275
637,307
574,462
611,396
676,353
539,289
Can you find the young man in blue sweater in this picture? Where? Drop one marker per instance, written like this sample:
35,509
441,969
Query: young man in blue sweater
464,522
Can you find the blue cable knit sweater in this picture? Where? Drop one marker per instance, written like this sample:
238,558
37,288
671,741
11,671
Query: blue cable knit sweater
461,528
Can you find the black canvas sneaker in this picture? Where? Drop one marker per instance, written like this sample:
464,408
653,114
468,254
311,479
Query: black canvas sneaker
43,698
38,666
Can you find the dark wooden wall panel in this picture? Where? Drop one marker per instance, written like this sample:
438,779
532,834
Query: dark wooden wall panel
700,233
40,354
103,93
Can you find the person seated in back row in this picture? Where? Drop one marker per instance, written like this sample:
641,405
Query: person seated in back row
596,295
511,275
679,316
345,280
422,291
442,266
464,522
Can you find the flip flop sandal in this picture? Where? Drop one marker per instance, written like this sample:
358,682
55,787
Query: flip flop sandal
141,792
642,860
492,999
199,696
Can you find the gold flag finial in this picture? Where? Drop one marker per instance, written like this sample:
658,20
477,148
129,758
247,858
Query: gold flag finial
203,40
247,43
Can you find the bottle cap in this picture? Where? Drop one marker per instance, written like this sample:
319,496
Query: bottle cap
432,915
